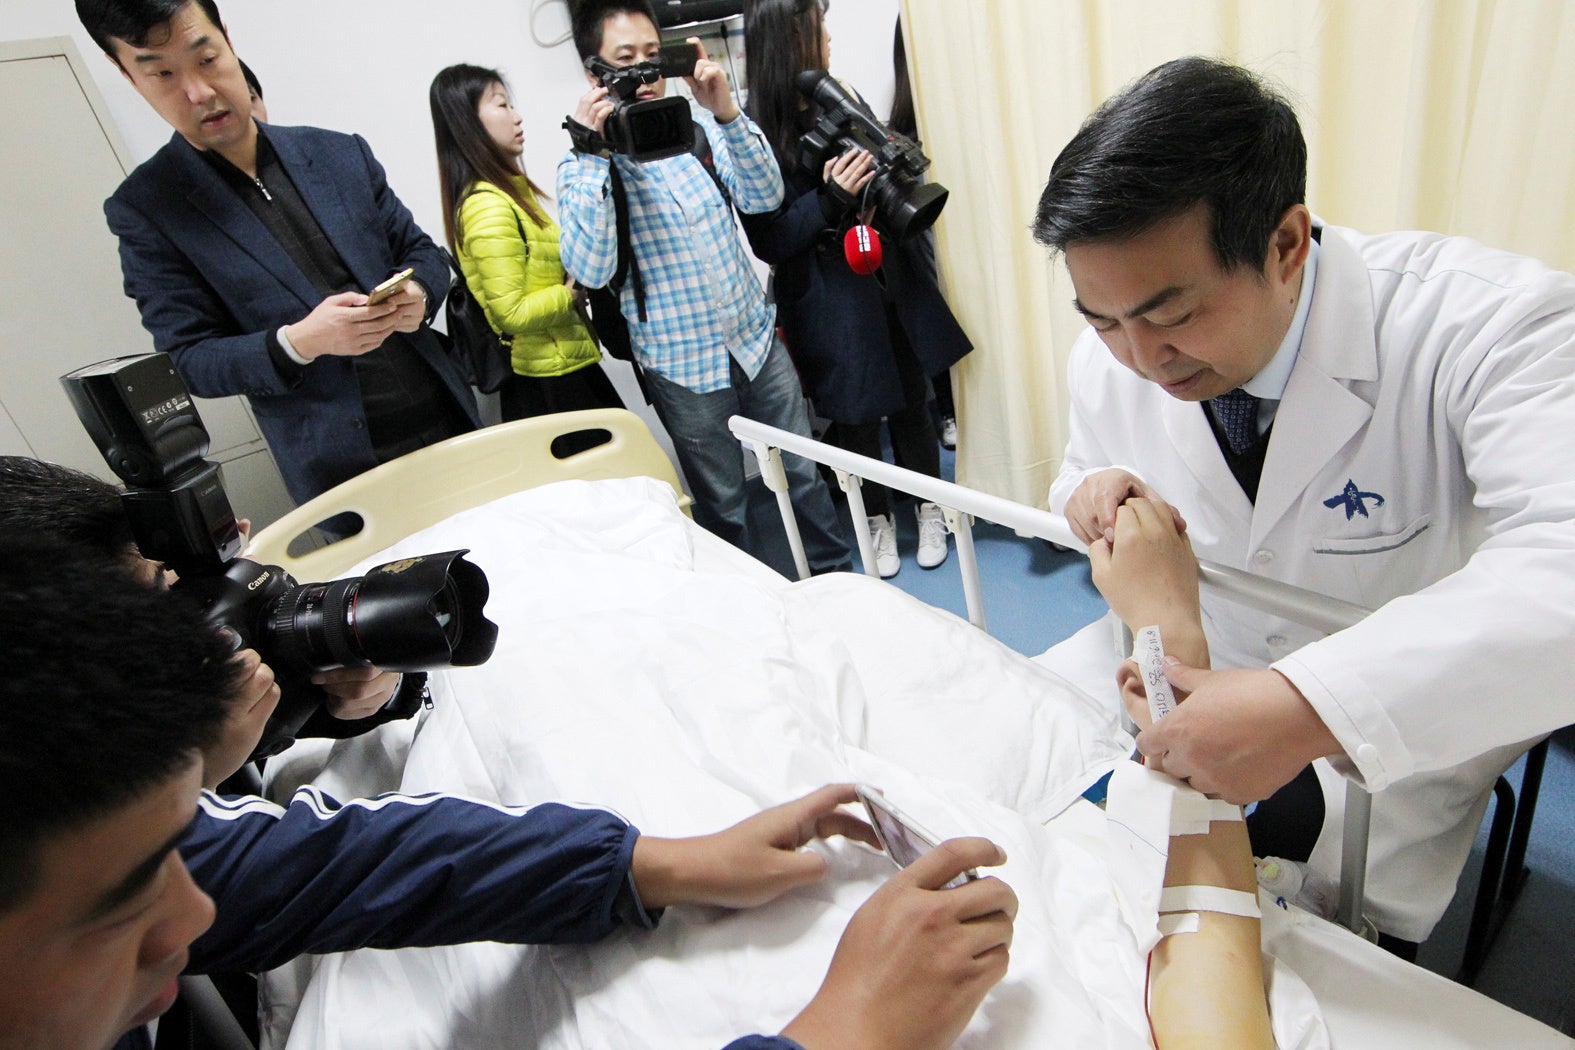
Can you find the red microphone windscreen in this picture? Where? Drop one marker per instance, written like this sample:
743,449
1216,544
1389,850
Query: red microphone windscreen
861,245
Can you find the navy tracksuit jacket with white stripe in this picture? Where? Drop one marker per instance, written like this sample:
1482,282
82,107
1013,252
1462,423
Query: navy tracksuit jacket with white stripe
401,871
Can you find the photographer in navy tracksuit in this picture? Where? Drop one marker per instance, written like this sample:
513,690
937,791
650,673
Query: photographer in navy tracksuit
113,863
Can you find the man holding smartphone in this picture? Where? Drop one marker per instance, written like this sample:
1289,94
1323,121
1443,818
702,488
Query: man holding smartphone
248,253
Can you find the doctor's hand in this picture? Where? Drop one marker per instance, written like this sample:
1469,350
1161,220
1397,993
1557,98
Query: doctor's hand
1237,735
754,861
343,325
916,960
709,87
1091,511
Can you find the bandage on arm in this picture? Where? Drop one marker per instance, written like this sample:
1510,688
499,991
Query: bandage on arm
1205,979
1206,986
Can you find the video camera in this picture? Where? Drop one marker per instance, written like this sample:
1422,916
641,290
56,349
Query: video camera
904,206
651,128
408,615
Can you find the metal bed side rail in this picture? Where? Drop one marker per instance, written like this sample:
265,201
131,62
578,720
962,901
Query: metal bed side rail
961,505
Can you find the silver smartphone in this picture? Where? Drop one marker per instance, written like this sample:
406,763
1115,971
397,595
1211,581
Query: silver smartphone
904,839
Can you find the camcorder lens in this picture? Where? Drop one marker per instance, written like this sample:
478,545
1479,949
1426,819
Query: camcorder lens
651,129
908,208
658,130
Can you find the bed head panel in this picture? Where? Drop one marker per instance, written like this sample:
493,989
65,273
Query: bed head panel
421,489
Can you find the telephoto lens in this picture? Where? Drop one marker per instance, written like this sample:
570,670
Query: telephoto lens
408,615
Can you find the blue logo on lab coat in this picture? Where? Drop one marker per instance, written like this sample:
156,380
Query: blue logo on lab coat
1354,500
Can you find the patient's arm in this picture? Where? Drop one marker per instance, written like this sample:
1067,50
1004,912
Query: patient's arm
1205,987
1149,577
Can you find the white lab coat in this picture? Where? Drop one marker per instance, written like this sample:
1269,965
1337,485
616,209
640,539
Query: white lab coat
1433,404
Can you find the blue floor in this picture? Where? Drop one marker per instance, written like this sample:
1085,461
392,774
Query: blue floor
1035,596
1532,964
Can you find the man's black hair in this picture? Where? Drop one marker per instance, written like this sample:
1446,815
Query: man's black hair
251,79
589,16
1192,131
107,690
134,21
46,499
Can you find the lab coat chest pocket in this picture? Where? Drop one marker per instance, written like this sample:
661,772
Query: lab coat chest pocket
1383,565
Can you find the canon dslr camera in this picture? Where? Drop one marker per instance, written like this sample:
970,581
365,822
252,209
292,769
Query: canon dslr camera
414,614
904,206
643,129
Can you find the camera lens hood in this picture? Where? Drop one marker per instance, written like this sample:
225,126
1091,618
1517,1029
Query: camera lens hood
419,613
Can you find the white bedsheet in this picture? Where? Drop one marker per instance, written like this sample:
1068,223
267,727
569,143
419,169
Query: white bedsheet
629,676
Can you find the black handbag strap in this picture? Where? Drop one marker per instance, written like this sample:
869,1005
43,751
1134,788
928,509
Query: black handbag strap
628,265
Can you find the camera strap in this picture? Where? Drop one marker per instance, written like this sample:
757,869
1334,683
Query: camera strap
628,265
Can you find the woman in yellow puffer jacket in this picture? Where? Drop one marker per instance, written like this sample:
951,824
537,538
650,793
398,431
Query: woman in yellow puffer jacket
507,247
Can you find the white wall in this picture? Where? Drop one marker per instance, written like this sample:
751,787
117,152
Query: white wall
365,67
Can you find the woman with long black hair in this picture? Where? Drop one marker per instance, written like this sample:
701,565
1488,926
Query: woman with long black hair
863,344
507,247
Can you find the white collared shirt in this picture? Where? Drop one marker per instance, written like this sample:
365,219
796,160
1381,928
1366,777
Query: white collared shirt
1268,386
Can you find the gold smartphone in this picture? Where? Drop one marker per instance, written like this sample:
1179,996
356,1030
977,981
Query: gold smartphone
389,287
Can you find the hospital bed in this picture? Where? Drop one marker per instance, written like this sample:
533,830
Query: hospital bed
645,666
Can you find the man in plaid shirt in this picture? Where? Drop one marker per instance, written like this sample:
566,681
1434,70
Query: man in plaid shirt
708,342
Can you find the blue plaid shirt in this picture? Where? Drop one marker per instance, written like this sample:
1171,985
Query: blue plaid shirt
702,300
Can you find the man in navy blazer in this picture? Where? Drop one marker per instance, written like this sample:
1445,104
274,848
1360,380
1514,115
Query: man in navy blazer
248,252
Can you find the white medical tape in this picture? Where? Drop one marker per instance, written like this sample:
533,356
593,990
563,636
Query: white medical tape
1209,898
1192,812
1149,652
1179,922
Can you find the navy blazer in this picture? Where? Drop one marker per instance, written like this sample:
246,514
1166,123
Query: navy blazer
833,320
211,282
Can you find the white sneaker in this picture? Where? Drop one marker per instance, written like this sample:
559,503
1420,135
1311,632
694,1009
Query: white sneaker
949,432
883,535
932,535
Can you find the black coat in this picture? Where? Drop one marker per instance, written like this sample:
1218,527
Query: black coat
834,320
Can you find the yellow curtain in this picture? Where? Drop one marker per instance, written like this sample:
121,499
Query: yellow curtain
1448,115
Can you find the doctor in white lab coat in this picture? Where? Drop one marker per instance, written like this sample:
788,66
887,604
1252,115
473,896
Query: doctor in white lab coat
1415,426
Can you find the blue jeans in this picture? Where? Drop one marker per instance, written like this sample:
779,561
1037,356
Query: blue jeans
712,458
